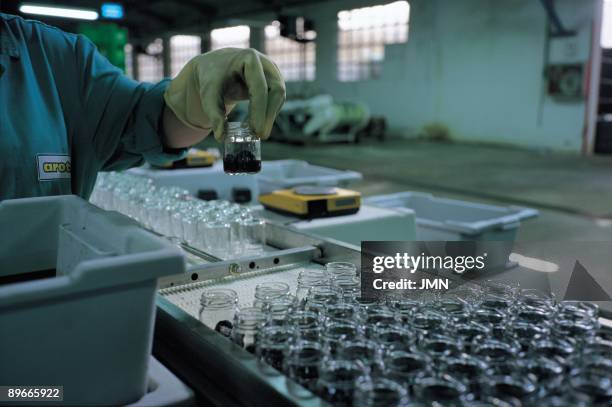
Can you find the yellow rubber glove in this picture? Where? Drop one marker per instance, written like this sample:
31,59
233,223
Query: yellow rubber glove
211,84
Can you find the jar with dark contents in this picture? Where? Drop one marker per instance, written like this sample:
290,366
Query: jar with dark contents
241,150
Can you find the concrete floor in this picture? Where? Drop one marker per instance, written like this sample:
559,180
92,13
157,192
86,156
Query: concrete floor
573,193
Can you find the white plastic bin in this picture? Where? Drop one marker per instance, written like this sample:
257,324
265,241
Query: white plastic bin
450,219
87,325
284,174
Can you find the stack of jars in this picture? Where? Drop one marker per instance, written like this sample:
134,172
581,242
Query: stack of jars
218,227
489,345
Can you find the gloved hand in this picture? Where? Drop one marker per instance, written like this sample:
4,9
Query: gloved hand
211,84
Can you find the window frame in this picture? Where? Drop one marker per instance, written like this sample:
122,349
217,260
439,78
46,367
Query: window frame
367,30
296,60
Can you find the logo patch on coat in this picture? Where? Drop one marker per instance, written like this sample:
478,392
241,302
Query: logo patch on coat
53,166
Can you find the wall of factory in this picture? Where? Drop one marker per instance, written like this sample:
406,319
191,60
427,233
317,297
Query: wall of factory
473,66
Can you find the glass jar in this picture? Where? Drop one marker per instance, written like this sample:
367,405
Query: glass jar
363,350
217,309
266,292
340,312
592,383
337,378
499,302
494,351
437,346
377,318
271,345
404,308
443,391
578,310
532,315
501,287
323,294
467,332
379,392
489,316
301,364
348,286
537,298
582,331
217,238
552,348
307,279
277,310
306,325
252,235
405,367
247,323
241,150
338,269
336,333
426,319
525,333
456,309
465,368
510,388
391,338
365,303
547,373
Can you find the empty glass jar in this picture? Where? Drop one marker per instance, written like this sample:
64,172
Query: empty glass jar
271,345
247,323
307,279
379,392
341,269
337,378
439,391
217,309
252,232
268,291
301,364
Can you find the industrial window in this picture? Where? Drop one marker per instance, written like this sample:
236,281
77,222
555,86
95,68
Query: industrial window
236,37
363,34
151,64
606,25
296,60
182,49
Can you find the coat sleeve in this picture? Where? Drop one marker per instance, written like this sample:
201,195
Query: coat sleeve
122,117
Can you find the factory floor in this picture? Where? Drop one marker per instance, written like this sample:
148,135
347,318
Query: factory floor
573,193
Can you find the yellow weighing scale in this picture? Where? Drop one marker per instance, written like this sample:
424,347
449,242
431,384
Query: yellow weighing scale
311,202
195,159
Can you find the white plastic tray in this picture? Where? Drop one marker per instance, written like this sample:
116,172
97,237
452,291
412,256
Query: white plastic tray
451,219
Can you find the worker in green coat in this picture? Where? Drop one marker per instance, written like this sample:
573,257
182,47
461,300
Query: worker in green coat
67,113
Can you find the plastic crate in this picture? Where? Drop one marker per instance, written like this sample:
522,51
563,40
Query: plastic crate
86,321
449,219
283,174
